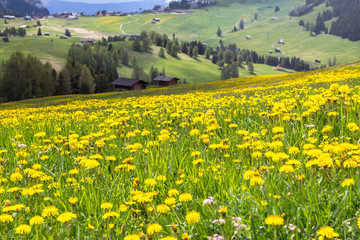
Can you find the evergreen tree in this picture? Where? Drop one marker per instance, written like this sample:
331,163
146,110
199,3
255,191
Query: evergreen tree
256,16
334,61
67,33
195,52
136,45
219,32
174,48
163,71
184,48
86,81
226,72
228,56
242,24
234,70
239,59
207,53
250,66
329,63
146,44
168,47
249,63
64,83
39,32
214,58
161,53
124,57
277,8
154,72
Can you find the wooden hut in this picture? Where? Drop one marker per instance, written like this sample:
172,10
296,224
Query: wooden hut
124,84
163,81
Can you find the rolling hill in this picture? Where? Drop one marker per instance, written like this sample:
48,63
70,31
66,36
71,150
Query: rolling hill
201,24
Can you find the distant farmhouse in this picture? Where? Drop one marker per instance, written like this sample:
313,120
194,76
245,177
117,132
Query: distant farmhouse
163,81
9,17
68,15
248,37
130,35
5,39
201,3
72,18
88,40
27,18
281,41
158,9
125,84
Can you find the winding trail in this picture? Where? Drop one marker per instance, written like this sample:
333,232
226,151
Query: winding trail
136,19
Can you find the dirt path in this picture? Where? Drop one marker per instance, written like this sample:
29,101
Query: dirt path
136,19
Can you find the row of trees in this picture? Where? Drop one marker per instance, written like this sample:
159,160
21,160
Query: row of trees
346,25
21,32
23,77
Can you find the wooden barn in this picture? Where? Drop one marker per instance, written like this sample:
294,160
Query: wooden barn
124,84
163,81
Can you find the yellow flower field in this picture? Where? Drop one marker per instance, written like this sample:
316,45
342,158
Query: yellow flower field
276,159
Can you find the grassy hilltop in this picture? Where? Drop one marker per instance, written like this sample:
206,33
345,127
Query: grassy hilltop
201,25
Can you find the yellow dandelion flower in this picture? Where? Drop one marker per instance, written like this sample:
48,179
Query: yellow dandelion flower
110,215
66,217
163,208
286,169
193,217
36,220
5,218
150,182
327,232
173,192
154,228
106,205
185,197
132,237
348,182
274,220
168,238
23,229
123,208
73,200
50,211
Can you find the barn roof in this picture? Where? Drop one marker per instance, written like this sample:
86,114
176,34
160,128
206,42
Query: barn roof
164,78
128,82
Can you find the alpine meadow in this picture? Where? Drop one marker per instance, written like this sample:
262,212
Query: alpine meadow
202,120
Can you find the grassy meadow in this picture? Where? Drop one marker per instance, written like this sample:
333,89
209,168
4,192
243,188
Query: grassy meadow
264,157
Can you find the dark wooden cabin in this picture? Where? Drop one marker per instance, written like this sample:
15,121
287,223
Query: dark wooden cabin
124,84
162,81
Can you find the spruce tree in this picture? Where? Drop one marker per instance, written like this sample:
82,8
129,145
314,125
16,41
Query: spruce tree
39,32
219,32
136,45
67,33
195,52
161,53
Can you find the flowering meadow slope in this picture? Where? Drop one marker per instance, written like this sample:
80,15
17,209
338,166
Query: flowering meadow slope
257,158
